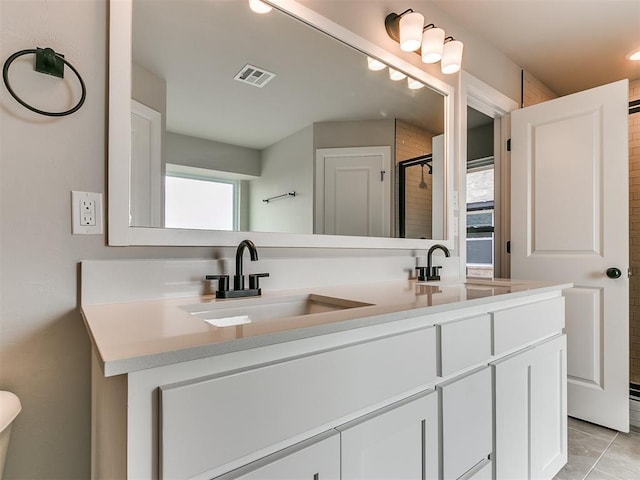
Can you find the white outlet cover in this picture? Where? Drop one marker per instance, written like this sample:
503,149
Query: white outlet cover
76,201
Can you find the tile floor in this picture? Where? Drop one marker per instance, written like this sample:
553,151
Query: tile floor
597,453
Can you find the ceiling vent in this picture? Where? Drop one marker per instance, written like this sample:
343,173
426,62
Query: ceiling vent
258,77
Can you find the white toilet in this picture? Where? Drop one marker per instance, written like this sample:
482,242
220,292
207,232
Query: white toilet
9,409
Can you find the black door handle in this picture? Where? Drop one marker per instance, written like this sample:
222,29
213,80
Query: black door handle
614,272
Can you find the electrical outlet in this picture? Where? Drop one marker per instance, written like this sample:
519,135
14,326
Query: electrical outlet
86,213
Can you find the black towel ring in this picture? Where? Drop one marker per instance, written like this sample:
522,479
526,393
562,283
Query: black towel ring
49,59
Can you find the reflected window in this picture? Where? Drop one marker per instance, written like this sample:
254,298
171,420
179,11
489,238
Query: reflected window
200,203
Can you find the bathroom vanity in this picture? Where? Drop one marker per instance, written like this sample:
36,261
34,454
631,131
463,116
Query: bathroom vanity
388,380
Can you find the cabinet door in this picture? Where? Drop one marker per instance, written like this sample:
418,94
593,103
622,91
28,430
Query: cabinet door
531,412
399,442
549,412
314,459
467,422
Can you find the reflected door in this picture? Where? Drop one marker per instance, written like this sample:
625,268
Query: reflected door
146,168
569,223
354,191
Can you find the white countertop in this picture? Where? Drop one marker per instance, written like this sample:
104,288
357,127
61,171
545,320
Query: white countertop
138,335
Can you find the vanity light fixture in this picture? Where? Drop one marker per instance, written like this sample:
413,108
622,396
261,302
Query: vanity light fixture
430,44
396,75
414,84
408,28
259,6
375,65
451,55
634,55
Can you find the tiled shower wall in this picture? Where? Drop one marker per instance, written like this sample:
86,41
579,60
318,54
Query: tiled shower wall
634,235
412,141
535,91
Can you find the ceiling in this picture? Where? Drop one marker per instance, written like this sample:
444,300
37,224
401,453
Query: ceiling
569,45
198,46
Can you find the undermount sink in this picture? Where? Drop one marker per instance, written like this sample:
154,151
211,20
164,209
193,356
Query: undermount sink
491,282
487,282
238,312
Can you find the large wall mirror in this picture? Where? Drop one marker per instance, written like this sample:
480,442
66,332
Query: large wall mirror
224,122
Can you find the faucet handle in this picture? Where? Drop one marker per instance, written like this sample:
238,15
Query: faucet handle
422,274
223,281
434,274
254,279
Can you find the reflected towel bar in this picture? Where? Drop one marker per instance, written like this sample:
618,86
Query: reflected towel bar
290,194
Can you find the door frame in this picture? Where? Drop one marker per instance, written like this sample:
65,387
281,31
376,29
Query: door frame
476,94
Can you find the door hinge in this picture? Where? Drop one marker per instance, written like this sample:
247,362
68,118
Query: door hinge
508,246
509,145
629,272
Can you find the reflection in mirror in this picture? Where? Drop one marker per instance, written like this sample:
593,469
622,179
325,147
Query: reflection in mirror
233,111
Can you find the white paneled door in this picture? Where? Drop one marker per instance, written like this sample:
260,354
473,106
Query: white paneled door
353,191
569,223
146,166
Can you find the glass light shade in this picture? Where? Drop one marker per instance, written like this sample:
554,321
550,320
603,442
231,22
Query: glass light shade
374,64
395,75
411,31
432,45
451,57
259,7
634,56
414,84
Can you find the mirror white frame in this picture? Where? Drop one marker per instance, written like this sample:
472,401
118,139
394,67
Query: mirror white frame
120,233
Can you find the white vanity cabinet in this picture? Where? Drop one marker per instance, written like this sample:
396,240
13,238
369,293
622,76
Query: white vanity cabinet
475,392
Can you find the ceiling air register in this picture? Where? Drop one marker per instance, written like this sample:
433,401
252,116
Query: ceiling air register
256,76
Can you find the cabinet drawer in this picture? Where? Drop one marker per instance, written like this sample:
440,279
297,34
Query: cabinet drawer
212,425
467,422
524,325
463,343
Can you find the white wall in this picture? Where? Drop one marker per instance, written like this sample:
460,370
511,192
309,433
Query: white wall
367,133
44,349
287,166
202,153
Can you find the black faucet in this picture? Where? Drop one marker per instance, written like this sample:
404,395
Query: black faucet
238,279
432,273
